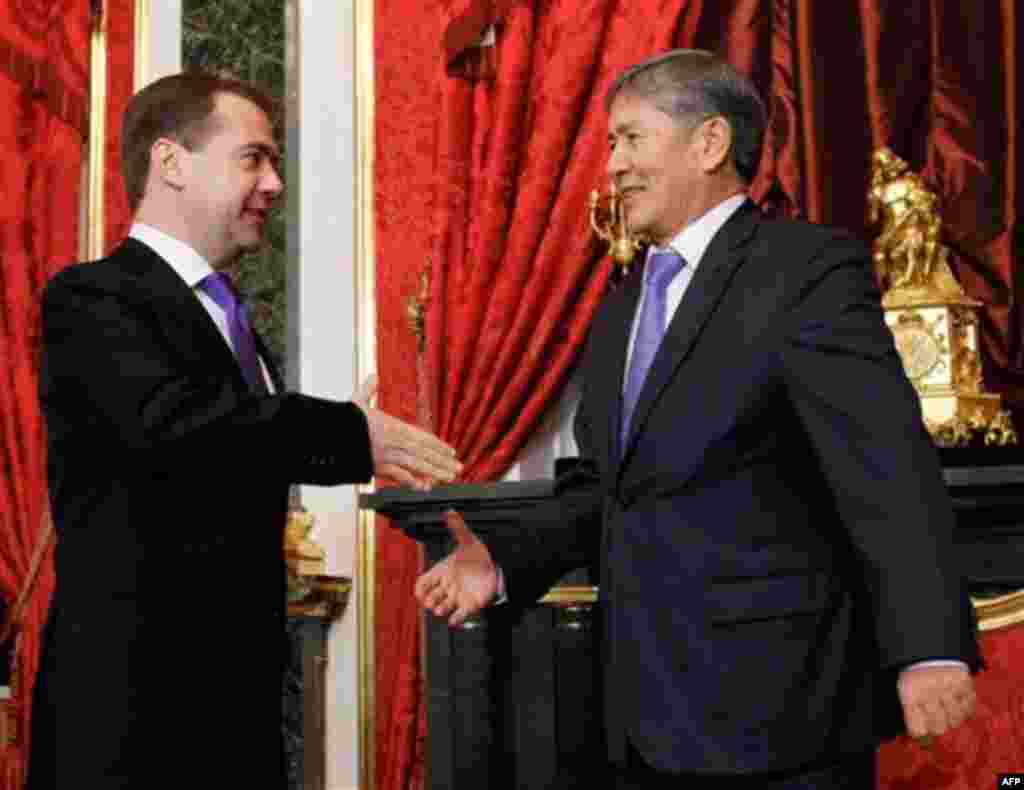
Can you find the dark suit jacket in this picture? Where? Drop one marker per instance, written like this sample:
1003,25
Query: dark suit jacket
775,541
169,485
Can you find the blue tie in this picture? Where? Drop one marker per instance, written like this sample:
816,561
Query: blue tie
219,288
662,267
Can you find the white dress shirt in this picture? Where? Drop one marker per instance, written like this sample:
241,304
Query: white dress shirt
192,268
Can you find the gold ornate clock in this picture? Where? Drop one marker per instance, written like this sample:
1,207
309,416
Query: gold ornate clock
934,323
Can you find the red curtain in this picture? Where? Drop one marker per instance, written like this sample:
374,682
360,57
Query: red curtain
120,38
44,86
407,64
44,76
512,139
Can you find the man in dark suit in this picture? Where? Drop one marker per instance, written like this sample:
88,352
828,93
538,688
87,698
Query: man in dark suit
768,514
172,445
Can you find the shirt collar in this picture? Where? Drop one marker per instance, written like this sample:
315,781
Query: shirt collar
693,240
189,264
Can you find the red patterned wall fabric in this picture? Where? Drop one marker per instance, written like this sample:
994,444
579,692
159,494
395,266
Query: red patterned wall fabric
44,56
485,158
120,28
408,65
44,83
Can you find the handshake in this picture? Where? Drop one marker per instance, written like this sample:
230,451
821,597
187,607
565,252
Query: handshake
467,580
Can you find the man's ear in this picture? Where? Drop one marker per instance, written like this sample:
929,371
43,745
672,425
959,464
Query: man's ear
715,143
167,163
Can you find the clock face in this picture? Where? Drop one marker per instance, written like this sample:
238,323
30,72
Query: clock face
918,349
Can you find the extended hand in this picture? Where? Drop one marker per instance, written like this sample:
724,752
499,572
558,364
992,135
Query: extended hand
935,698
402,451
462,583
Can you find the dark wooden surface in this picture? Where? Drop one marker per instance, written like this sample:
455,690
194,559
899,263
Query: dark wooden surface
303,703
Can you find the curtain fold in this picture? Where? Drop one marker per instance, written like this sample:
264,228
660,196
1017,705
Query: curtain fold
518,140
44,81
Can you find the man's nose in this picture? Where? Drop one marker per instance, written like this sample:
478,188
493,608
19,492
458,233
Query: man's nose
617,163
271,182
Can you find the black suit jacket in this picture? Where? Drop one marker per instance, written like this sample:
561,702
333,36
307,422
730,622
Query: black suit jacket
169,485
775,539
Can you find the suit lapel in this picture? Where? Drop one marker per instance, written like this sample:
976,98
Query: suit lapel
181,316
720,262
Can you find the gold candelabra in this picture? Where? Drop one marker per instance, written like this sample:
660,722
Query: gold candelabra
608,219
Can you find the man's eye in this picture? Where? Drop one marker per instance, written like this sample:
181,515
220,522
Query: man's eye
252,158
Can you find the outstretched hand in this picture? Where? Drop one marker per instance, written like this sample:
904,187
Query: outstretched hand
402,451
462,583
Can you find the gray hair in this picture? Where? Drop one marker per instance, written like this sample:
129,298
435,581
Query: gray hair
691,85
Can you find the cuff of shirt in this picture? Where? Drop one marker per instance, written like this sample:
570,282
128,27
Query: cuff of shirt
501,597
936,662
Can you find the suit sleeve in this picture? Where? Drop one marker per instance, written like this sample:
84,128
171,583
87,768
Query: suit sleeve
108,372
863,418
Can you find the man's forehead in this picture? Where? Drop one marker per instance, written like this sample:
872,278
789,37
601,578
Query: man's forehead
245,118
240,110
633,113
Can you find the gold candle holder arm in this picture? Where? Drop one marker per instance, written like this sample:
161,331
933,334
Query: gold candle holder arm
608,219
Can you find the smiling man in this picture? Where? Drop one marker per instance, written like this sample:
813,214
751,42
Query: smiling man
778,584
172,445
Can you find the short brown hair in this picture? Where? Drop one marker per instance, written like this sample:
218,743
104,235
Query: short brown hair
179,107
690,85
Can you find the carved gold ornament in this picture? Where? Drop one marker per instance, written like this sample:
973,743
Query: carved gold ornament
933,322
304,558
609,221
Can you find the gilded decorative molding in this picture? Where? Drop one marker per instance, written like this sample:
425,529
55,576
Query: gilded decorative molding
326,598
1000,612
95,213
366,363
560,596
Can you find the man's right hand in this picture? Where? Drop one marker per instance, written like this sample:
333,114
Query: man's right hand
462,583
402,451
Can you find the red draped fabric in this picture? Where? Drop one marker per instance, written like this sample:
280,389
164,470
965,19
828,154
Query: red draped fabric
120,38
488,191
407,64
44,86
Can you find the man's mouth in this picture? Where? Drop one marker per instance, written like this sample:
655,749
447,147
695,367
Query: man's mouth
257,215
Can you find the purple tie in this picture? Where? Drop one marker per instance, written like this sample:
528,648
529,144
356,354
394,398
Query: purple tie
662,266
219,288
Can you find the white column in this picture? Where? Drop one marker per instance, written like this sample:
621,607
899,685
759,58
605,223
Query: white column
321,292
157,40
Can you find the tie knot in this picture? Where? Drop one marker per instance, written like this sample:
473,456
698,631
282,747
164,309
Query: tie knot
662,266
218,287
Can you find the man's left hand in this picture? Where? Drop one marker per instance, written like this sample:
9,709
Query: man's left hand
935,699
